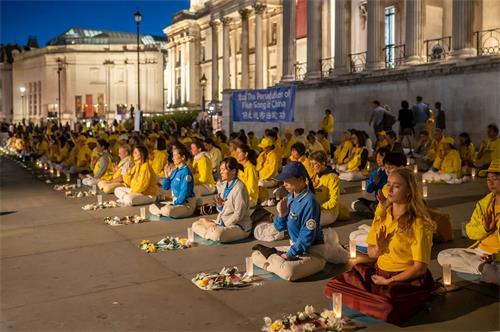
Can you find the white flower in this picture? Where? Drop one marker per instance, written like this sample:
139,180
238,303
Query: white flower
302,316
268,321
309,311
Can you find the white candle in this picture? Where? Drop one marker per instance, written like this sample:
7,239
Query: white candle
94,189
415,168
352,248
190,235
363,185
368,167
408,162
51,170
68,177
78,183
447,274
143,212
58,173
337,304
473,173
99,199
249,266
424,191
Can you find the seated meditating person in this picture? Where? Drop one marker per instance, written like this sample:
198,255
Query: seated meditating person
233,222
394,145
289,141
375,183
398,283
467,152
322,137
268,163
109,186
159,157
140,181
313,145
103,168
342,151
179,180
434,150
298,153
326,187
204,183
214,152
249,176
483,227
382,140
447,166
489,149
299,214
356,167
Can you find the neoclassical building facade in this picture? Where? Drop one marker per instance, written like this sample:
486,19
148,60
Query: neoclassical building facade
252,44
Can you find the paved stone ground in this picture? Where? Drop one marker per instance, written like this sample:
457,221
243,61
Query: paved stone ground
62,269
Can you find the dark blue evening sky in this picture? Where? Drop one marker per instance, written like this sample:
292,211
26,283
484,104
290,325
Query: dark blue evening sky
47,19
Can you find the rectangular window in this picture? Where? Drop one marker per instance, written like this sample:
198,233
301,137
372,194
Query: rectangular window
390,35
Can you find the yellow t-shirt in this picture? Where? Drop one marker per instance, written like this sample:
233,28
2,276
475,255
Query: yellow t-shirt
342,152
491,243
202,169
250,178
491,151
327,191
403,249
160,159
268,165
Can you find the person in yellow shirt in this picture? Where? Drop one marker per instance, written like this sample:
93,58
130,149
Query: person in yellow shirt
83,155
434,152
253,141
103,168
232,148
483,227
356,166
289,141
159,157
215,154
312,144
204,183
400,240
249,176
322,138
447,166
326,186
327,124
109,186
268,163
299,154
141,181
467,152
342,151
489,149
382,140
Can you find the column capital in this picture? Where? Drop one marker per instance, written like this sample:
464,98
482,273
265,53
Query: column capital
214,23
244,13
259,8
226,21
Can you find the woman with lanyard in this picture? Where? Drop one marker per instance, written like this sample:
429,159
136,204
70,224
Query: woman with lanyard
299,214
179,180
233,222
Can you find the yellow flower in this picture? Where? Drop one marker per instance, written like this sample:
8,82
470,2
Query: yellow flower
183,241
151,248
202,282
143,242
277,325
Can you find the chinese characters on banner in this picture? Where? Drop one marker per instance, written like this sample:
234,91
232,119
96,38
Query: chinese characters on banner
268,105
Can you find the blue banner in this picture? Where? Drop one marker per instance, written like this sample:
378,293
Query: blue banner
275,104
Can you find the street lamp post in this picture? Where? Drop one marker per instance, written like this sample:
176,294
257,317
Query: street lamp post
203,84
22,90
59,103
138,18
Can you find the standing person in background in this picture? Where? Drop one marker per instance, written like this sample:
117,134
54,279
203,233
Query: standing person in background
421,114
440,117
327,124
406,124
377,117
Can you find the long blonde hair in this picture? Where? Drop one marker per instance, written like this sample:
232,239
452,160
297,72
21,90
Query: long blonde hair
415,205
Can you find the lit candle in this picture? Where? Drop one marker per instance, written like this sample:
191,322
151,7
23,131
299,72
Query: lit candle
143,212
190,235
58,173
68,177
337,304
352,248
368,167
415,168
78,183
424,190
363,185
94,189
473,173
99,199
408,162
249,266
447,274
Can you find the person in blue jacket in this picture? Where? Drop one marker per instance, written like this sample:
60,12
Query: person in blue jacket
375,183
299,214
179,180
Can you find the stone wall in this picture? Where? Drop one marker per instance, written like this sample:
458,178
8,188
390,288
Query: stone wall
468,90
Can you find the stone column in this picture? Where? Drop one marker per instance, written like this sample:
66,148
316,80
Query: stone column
215,60
414,35
289,53
375,53
226,47
327,30
314,48
244,48
259,59
342,36
463,29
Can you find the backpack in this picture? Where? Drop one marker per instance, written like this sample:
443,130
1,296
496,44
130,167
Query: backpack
388,121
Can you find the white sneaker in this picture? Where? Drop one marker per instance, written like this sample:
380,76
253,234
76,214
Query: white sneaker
155,209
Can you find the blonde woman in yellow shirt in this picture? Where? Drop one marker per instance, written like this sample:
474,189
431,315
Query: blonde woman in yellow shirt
447,166
204,183
141,181
400,240
249,176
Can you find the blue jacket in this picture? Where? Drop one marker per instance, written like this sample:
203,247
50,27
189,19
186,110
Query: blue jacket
371,187
302,223
181,183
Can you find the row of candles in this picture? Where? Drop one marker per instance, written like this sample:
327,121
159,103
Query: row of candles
52,170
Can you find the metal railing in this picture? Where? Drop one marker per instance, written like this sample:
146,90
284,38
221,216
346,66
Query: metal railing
357,62
327,67
394,55
488,42
437,49
300,70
